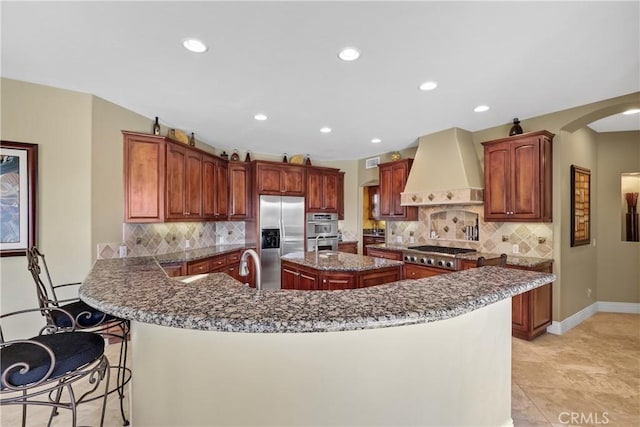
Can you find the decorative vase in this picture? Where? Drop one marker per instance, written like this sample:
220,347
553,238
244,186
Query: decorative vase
516,129
633,234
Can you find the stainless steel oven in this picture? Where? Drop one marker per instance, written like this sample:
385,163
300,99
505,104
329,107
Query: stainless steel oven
324,244
322,223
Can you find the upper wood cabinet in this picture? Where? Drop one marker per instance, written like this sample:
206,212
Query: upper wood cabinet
280,179
341,195
373,193
322,190
518,178
216,188
239,191
393,178
169,181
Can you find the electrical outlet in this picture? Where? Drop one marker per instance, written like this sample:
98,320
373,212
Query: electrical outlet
588,292
187,244
122,251
399,239
515,249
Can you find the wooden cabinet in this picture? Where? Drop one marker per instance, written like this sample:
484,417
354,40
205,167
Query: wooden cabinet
168,181
228,263
373,193
413,271
372,240
322,190
383,253
240,207
296,276
280,179
215,188
350,247
531,312
174,270
393,178
518,178
340,195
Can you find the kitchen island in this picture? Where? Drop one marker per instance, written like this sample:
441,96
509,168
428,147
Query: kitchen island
215,352
330,271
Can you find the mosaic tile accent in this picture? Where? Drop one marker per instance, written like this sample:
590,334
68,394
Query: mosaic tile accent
533,239
163,238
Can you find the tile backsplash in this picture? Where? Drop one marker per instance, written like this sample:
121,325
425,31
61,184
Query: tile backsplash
162,238
532,239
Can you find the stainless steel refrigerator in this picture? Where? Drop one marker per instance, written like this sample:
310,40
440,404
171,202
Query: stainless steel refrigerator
281,232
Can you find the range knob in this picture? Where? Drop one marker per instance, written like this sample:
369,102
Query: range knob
407,258
414,258
423,260
441,263
431,261
450,264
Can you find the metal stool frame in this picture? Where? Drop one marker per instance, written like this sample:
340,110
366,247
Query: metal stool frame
46,293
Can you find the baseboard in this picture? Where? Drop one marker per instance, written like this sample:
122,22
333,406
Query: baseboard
559,328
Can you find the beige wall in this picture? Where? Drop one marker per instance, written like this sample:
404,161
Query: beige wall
618,261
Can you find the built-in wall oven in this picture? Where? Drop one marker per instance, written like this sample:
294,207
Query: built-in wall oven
322,228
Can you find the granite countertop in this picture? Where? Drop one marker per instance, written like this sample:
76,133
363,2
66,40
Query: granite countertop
201,253
515,260
339,261
138,289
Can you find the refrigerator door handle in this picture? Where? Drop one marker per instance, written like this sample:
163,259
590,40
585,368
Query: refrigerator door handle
282,235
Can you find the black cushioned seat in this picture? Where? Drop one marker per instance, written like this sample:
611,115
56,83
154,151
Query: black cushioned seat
85,315
71,349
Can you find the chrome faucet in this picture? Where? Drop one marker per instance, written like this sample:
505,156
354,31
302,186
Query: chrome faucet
244,267
324,236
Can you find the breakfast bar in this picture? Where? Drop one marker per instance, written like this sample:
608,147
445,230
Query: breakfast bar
213,351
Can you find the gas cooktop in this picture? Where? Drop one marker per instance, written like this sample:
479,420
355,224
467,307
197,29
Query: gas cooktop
441,249
442,257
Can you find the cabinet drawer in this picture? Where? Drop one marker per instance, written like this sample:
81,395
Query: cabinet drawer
379,253
218,261
199,267
233,258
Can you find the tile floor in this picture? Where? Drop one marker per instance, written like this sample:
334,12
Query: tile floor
588,376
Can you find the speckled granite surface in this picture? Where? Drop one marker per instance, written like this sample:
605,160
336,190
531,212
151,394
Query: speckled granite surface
138,289
339,261
196,254
520,261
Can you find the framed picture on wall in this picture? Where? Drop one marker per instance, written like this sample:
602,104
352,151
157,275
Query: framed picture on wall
580,206
18,175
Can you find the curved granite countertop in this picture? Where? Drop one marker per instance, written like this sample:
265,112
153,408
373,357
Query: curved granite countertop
201,253
515,260
339,261
138,289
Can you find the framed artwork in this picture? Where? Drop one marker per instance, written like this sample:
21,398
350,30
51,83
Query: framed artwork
18,175
580,206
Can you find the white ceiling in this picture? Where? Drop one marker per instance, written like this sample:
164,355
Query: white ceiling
522,59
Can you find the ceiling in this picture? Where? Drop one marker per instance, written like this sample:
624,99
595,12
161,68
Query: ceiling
522,59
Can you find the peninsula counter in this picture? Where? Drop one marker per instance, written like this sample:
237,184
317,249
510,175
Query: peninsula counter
215,352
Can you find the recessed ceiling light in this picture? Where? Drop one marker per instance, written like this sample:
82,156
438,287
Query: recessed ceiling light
325,129
376,141
194,45
428,86
481,108
349,54
261,117
632,111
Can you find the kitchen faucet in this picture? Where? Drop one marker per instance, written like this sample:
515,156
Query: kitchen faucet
324,236
244,267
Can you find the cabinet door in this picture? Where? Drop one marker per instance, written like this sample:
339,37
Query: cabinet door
497,178
314,191
199,267
373,193
340,195
350,247
398,181
379,277
144,162
289,277
239,191
337,281
173,270
193,187
292,181
268,179
222,191
209,187
412,271
330,191
393,178
380,253
176,182
386,195
525,179
308,281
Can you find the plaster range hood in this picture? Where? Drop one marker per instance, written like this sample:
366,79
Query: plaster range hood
445,171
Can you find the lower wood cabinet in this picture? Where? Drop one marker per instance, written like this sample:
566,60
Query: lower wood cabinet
383,253
296,276
531,312
413,271
226,263
350,247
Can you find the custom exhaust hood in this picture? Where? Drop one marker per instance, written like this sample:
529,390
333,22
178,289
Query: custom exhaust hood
445,171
